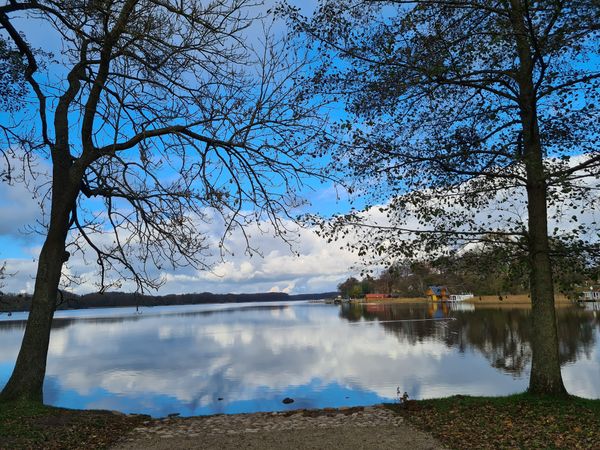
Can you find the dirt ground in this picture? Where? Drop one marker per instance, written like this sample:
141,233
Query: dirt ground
347,428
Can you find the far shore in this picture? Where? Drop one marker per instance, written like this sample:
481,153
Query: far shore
510,299
10,303
22,303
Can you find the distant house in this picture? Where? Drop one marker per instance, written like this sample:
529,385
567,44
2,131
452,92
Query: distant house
591,295
375,296
437,293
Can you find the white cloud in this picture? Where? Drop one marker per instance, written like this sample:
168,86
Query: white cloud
319,267
316,265
312,266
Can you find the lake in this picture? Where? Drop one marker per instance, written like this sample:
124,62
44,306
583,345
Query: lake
233,358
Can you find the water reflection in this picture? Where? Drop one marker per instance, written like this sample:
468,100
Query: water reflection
202,360
502,335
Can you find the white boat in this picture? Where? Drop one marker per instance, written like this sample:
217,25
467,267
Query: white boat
459,297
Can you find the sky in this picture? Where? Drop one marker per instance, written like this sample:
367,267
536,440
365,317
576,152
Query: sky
308,263
319,267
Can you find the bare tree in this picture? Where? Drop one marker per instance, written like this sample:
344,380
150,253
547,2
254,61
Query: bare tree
468,121
155,115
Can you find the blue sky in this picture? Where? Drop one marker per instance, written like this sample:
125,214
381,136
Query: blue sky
320,266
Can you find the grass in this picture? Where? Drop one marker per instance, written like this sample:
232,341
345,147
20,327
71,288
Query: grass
27,425
519,421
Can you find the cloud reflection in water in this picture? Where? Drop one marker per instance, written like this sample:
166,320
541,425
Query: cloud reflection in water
184,359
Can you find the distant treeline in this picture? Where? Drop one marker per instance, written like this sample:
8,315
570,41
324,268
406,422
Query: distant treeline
67,300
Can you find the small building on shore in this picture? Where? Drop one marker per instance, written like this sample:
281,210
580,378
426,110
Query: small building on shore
437,293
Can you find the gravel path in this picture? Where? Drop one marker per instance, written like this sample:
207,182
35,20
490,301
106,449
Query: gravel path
374,427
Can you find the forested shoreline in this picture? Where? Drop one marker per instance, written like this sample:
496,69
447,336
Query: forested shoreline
67,300
482,271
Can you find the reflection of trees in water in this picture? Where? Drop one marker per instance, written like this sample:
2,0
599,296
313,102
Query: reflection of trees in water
577,333
503,336
412,330
130,316
12,325
20,324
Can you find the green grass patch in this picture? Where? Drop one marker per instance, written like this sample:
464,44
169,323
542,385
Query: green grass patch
520,421
27,425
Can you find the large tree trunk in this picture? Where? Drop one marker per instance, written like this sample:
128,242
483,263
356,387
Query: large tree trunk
545,375
27,379
28,376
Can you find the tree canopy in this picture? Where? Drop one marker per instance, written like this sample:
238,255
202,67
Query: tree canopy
468,122
433,126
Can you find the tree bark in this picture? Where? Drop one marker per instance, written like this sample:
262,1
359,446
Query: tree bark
545,377
27,379
28,376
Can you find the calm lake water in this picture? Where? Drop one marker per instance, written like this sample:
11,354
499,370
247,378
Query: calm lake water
247,357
